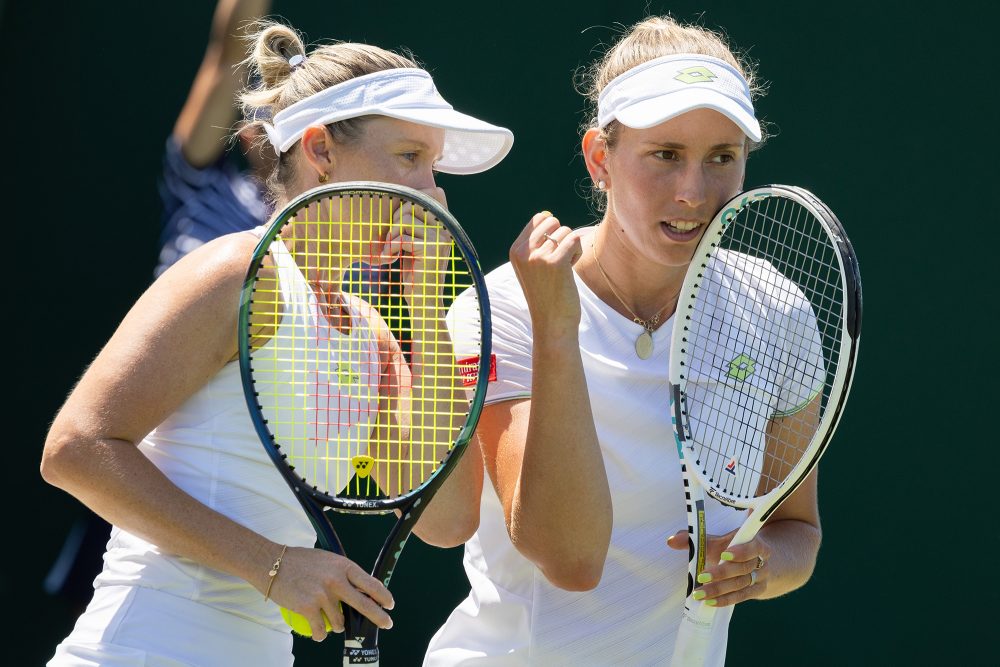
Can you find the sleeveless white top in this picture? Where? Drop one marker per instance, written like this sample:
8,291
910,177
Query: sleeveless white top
209,448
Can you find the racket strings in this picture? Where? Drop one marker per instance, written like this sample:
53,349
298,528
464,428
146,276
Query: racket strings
762,347
354,368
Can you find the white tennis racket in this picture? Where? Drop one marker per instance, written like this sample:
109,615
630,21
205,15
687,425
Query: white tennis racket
763,351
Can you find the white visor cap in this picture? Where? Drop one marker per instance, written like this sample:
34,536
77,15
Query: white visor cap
665,87
470,145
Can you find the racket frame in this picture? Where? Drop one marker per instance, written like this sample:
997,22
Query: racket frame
764,505
697,613
361,635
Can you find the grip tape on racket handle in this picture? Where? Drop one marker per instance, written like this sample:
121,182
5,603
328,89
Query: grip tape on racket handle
355,654
694,637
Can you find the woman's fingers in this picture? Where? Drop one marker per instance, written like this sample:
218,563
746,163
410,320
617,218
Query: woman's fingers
741,574
542,257
417,233
678,540
313,583
371,587
545,239
734,589
365,595
322,622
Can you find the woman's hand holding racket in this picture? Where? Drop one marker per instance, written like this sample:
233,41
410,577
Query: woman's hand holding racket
730,567
341,579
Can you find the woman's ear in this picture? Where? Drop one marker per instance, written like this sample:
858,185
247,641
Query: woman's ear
595,155
317,147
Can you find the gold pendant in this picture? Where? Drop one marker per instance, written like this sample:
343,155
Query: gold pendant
644,345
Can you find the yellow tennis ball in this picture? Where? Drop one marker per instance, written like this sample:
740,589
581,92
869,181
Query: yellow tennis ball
299,624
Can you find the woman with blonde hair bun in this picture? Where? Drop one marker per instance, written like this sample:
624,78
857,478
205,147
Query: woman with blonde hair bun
569,565
156,437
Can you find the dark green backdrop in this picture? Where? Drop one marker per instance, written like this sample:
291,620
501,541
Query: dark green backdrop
879,108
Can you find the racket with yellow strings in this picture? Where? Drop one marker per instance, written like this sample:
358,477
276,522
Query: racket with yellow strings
348,367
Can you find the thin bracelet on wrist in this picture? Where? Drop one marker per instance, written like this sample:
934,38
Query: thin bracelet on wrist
273,573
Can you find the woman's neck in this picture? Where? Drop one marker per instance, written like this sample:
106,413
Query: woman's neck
626,279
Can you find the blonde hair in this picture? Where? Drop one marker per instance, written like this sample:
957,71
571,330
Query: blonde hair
277,84
652,38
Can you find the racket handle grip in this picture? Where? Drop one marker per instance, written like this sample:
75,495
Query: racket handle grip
356,654
694,637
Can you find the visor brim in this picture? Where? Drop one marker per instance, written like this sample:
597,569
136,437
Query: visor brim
470,145
655,110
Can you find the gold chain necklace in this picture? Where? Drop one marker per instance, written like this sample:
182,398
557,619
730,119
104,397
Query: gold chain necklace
644,343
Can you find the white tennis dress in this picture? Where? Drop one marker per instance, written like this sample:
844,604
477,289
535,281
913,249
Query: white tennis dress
152,608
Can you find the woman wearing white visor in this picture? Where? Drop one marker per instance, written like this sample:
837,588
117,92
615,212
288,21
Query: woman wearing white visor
156,436
569,565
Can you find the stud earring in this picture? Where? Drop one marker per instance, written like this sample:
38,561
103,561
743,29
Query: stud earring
324,177
601,185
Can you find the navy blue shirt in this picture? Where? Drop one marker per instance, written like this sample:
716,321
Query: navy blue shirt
202,204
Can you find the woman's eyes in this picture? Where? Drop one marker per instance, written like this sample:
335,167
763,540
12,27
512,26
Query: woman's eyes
670,155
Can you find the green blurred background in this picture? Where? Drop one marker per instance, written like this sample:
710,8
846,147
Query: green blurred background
885,110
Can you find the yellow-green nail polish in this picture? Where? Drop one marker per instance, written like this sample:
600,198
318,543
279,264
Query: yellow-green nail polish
727,555
698,595
710,603
704,578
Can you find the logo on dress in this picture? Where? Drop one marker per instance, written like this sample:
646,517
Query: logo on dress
346,378
468,369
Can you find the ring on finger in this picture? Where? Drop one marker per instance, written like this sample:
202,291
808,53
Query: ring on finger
549,237
760,562
753,577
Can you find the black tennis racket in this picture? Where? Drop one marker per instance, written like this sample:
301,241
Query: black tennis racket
764,348
348,367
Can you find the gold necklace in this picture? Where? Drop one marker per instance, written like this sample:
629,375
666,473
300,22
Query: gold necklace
644,343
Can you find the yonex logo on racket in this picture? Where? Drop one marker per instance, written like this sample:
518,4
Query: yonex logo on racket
741,367
362,465
697,74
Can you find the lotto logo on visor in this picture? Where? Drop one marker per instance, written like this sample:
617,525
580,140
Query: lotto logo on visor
469,370
696,75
